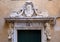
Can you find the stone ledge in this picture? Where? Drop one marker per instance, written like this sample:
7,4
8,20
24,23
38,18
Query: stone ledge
30,19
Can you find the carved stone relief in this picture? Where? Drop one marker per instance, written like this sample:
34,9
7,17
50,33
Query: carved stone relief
28,24
11,32
13,14
48,31
28,10
37,26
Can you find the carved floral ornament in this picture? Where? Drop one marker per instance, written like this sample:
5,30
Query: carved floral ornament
28,10
29,13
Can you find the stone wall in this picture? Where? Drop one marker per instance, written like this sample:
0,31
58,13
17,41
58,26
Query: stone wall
7,6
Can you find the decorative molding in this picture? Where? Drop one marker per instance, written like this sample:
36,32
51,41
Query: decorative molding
11,32
32,19
29,28
31,25
28,10
27,20
48,31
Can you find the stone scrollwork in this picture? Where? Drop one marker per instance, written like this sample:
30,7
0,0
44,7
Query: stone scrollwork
28,10
20,12
42,14
17,14
13,14
48,31
10,32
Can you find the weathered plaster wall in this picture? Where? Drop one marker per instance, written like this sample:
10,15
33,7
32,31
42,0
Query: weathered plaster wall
7,6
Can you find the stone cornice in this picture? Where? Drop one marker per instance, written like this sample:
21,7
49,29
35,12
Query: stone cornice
30,19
